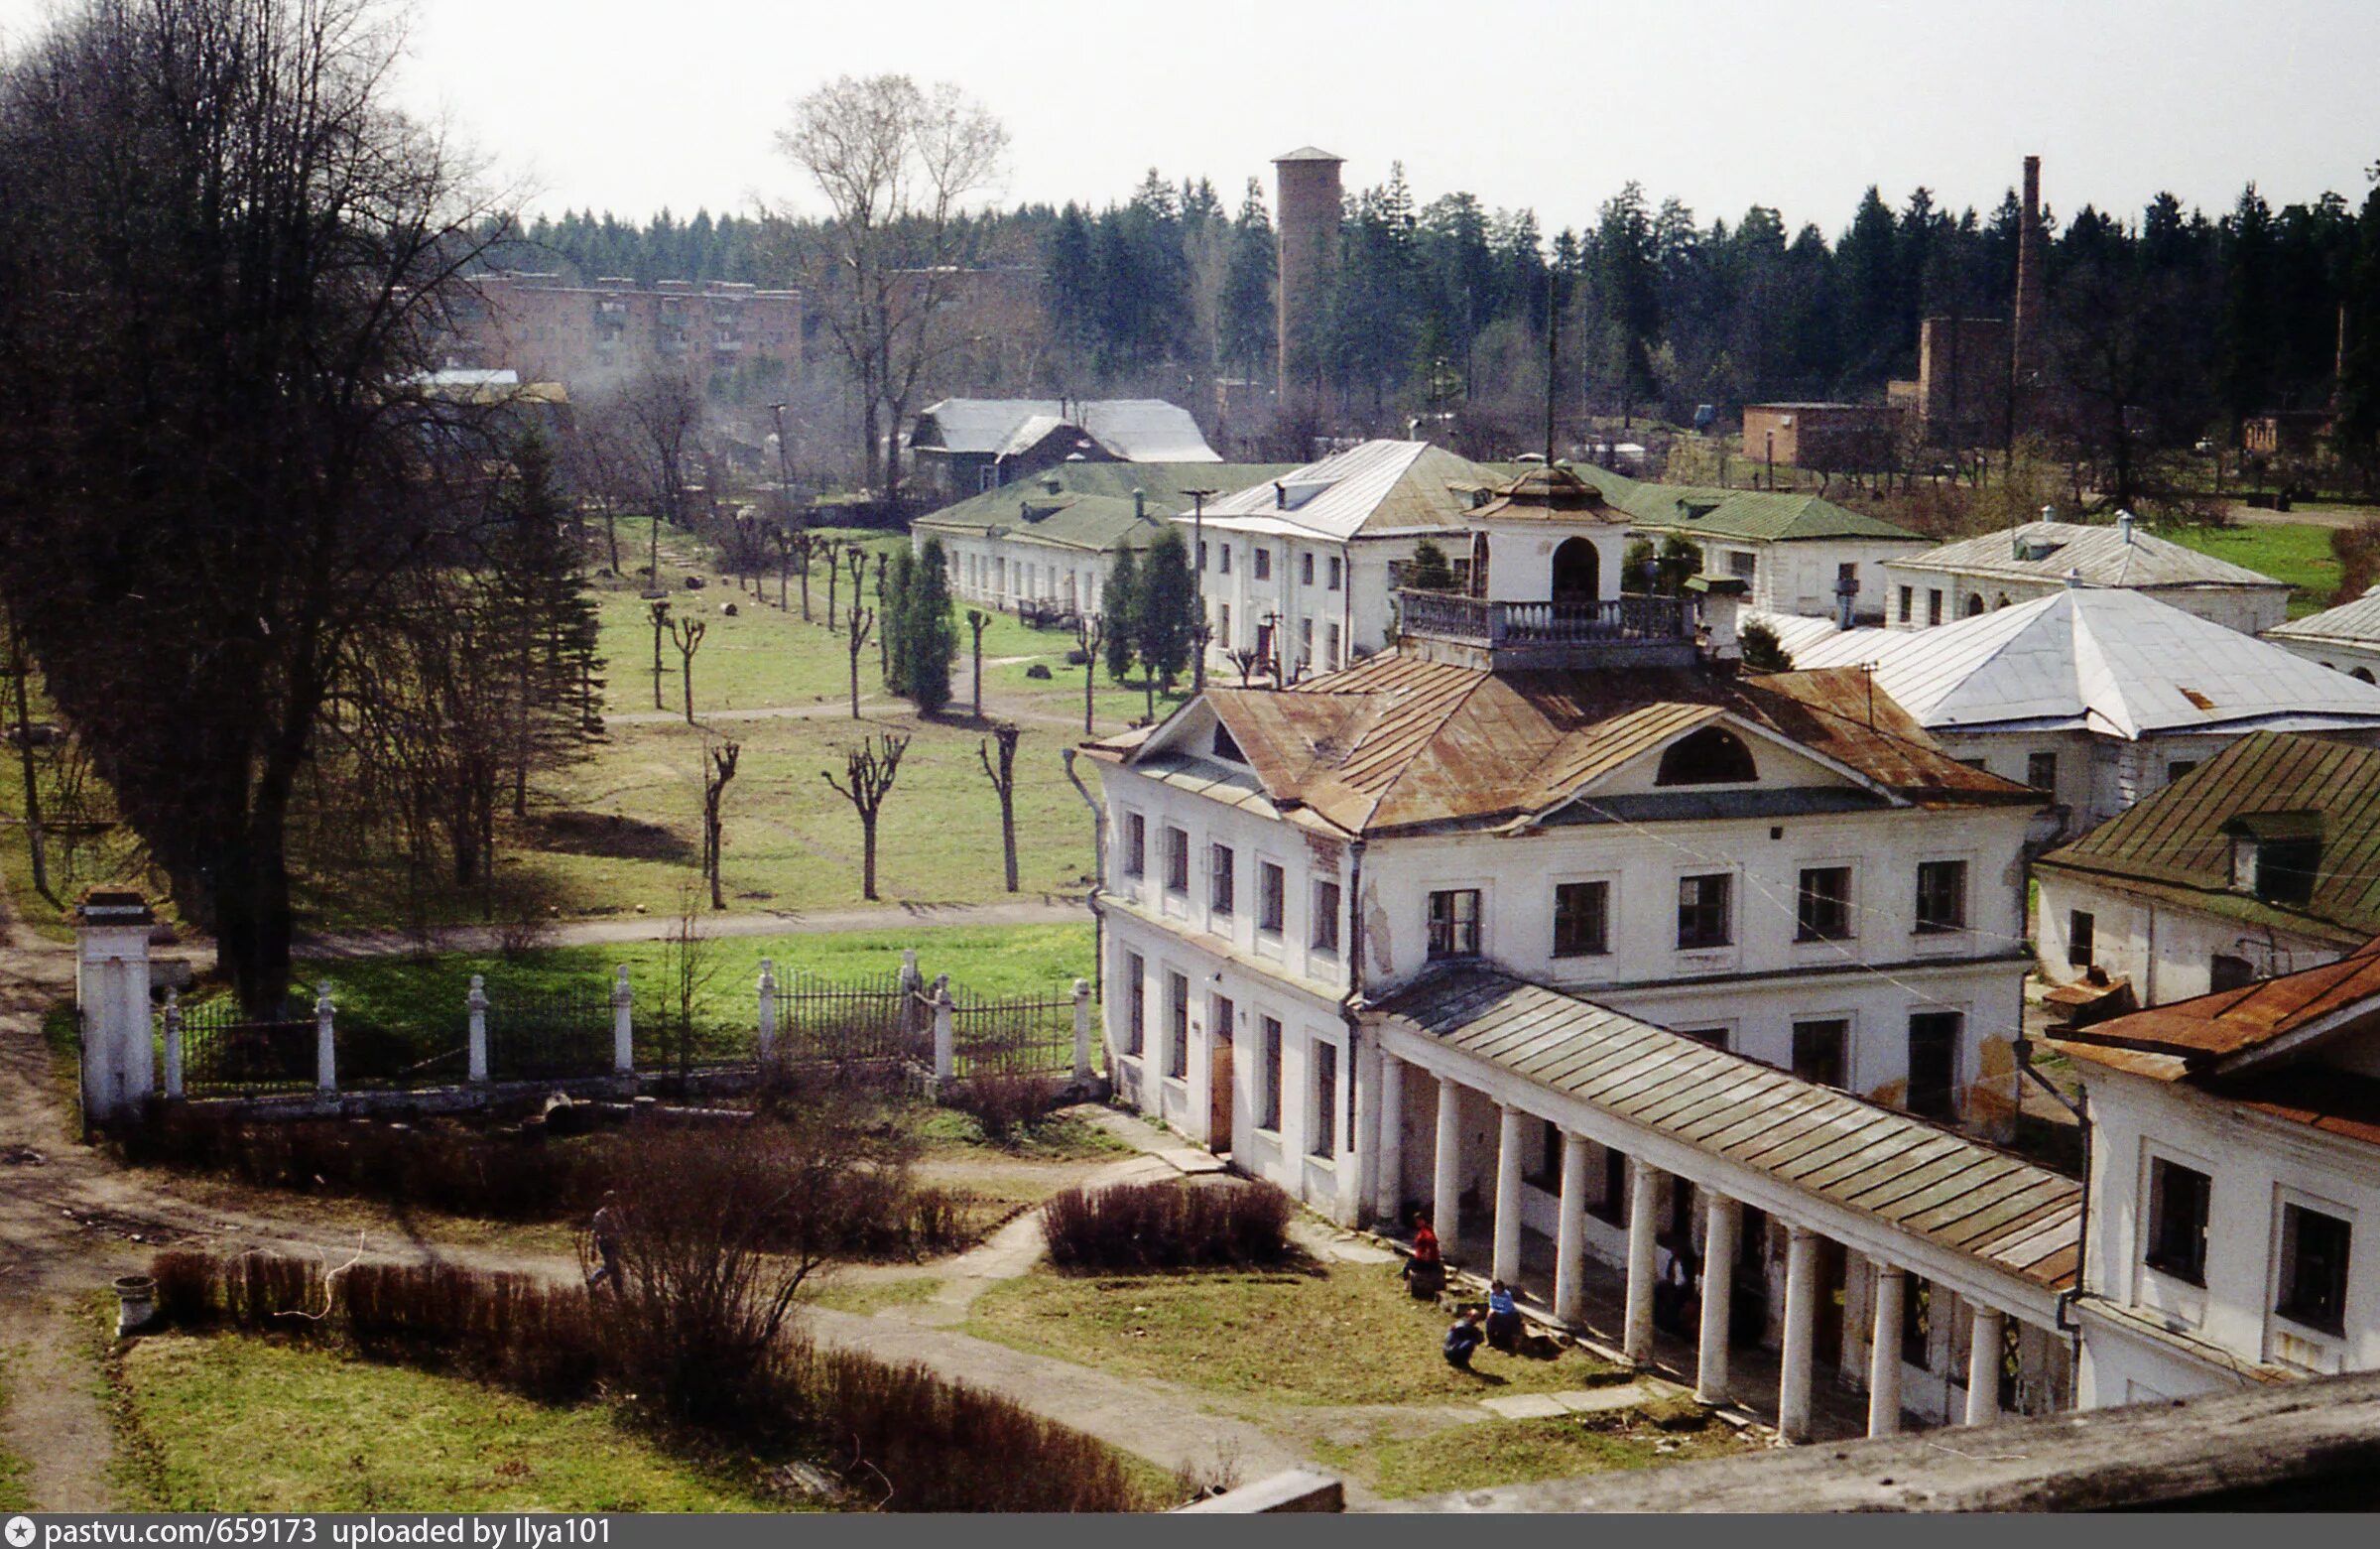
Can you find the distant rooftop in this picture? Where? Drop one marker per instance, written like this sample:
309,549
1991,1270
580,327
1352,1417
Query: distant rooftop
2120,555
1134,429
1307,153
1752,515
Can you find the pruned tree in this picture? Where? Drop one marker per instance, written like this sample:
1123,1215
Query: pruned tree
721,759
890,616
659,610
855,640
1003,776
871,769
1090,633
831,554
898,166
977,619
686,634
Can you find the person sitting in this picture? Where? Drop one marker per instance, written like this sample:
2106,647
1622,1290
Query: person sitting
1462,1339
1503,1318
1426,1271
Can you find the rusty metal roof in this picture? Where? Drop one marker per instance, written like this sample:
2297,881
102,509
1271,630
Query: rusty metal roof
1913,1176
1551,494
2207,1032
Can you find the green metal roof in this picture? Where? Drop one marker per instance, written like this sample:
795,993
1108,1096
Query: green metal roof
1754,515
1092,508
2177,842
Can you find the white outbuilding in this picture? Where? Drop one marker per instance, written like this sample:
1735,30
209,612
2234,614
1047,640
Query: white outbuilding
2345,639
1975,576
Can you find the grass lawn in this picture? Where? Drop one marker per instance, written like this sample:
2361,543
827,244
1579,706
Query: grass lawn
874,1295
1522,1451
16,1493
241,1424
2297,552
1343,1334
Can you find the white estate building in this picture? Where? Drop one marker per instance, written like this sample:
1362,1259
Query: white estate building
2234,1186
2101,697
2001,569
1549,921
2258,862
2345,639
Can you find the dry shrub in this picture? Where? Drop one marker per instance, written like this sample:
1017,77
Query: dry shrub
529,1336
1168,1226
1008,1106
2357,549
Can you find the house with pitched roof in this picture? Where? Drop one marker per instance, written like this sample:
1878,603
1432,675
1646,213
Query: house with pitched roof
2234,1186
964,446
2345,639
2263,860
2100,696
1549,922
1973,576
1050,541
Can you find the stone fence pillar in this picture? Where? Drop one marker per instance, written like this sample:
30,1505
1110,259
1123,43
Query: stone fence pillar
326,1058
111,991
1083,1030
173,1043
475,1005
623,1027
946,1052
768,1009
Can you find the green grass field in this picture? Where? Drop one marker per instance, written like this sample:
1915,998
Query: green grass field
240,1424
1522,1451
2297,552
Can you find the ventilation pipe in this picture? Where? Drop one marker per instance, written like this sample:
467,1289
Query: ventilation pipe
1140,505
2073,578
2123,525
1280,496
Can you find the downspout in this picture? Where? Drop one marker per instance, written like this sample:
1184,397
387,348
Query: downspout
1099,879
2066,1299
1350,1002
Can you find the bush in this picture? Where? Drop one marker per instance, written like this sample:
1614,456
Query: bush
1006,1104
1168,1226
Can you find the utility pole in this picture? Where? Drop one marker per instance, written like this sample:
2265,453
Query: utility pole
1198,584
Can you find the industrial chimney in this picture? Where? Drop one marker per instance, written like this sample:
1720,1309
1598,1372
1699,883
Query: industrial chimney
2031,307
1307,228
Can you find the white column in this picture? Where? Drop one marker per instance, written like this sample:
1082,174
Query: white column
1570,1237
1983,1365
623,1030
1636,1337
1723,1223
1446,1203
111,989
1800,1332
766,991
1083,1030
1388,1176
1507,1262
475,1009
327,1063
1884,1352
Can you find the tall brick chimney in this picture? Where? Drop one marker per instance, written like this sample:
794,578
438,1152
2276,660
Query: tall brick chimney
1307,228
2031,307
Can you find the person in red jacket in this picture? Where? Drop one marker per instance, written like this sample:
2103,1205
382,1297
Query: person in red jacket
1425,1272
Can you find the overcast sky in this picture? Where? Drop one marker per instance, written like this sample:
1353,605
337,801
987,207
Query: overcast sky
634,106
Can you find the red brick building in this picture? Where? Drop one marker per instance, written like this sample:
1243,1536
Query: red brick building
549,329
1823,436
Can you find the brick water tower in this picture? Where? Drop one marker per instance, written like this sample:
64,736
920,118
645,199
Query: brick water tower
1308,231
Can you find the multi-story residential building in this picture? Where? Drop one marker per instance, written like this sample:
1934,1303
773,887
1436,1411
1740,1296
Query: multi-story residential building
1999,570
548,329
2234,1186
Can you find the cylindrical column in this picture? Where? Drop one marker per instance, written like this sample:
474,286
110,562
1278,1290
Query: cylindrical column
1082,1031
1507,1264
1723,1222
327,1062
1636,1332
1570,1239
1445,1200
1884,1352
1389,1181
475,1009
173,1043
766,990
1800,1332
1983,1365
623,1028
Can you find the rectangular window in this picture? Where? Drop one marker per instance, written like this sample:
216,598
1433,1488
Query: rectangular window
1272,903
2179,1201
2314,1269
1323,1130
1304,570
1454,923
1176,861
1136,844
1741,564
1934,1064
1934,607
1702,911
1219,1015
1264,565
1305,642
1136,1004
1941,897
2177,768
1330,647
1224,557
1916,1323
1222,626
1268,1105
1177,1025
1325,917
2082,938
2226,972
1581,919
1823,1052
1332,582
1908,596
1716,1037
2040,771
1824,913
1219,879
1202,559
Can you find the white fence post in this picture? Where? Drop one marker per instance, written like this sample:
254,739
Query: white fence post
1083,1030
327,1060
173,1043
623,1029
768,1009
476,1003
945,1060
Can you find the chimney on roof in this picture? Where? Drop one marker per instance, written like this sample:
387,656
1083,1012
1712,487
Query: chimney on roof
1280,495
2123,525
1140,503
2032,303
2073,578
1050,483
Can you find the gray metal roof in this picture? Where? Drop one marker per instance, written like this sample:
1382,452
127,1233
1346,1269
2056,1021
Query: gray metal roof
1913,1176
1136,430
2101,557
1376,487
2349,623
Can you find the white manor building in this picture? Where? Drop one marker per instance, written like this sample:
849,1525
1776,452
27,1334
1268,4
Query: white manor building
1549,922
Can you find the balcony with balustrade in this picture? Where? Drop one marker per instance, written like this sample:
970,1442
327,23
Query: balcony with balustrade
1627,631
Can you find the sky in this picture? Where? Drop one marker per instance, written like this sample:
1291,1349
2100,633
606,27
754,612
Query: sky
634,108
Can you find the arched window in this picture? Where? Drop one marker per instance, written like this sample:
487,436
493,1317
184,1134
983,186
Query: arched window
1710,757
2361,675
1999,602
1578,571
1974,603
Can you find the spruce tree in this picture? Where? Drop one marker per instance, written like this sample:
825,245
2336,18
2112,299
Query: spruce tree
1168,612
1120,605
893,607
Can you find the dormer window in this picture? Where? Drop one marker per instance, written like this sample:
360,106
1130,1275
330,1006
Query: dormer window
1710,757
2276,857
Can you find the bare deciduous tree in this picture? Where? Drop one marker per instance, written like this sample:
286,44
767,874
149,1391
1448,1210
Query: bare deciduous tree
722,759
898,165
667,413
871,768
1003,776
1090,633
686,634
977,619
856,641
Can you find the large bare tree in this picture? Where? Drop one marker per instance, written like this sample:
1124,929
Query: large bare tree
898,165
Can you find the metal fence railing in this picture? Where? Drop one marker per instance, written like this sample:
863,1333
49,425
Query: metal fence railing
1009,1037
224,1052
832,1021
550,1035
